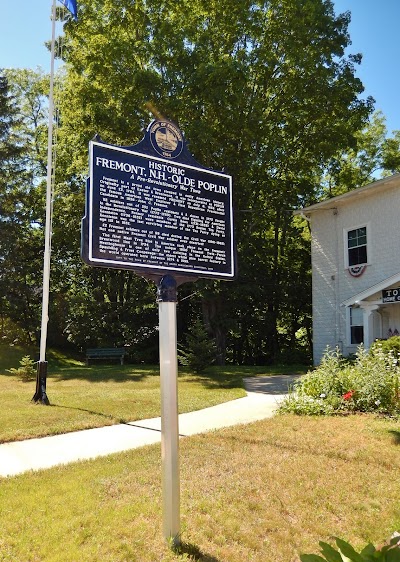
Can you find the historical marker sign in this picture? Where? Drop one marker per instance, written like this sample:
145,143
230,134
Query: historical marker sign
151,209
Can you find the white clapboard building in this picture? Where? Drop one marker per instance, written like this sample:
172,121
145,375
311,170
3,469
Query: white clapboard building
355,256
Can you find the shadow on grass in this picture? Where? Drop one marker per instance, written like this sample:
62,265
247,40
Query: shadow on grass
193,552
121,421
396,436
301,449
105,373
100,414
232,376
214,380
11,356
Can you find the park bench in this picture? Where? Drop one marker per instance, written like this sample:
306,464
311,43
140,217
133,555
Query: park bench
106,353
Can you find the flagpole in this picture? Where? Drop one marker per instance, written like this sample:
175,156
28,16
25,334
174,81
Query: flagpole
40,394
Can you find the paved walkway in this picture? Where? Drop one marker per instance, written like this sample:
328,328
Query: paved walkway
263,396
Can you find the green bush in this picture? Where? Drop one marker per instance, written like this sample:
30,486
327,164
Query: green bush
325,380
200,350
304,405
390,346
375,380
26,371
368,384
390,552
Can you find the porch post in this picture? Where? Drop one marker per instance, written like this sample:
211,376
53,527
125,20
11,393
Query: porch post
368,321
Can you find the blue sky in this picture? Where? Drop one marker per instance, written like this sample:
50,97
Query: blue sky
25,26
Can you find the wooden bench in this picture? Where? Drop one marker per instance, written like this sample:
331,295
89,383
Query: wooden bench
106,353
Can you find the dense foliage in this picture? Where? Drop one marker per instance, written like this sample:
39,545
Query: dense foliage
21,206
370,383
262,89
391,346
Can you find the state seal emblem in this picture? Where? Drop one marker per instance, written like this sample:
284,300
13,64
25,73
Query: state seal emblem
166,139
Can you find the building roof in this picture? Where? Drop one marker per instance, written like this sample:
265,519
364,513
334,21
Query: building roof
331,203
372,290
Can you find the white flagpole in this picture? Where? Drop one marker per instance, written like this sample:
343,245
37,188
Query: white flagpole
40,394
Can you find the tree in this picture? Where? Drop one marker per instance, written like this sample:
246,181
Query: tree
200,350
391,153
374,154
261,88
111,308
20,211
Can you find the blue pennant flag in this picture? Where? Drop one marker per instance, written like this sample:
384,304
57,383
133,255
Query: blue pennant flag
71,6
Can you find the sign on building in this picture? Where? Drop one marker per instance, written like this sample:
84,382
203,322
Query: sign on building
391,295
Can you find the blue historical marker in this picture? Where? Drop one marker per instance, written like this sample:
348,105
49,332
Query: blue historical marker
153,209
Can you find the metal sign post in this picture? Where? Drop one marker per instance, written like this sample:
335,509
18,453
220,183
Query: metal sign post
169,409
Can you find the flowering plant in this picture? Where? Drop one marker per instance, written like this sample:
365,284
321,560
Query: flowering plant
370,383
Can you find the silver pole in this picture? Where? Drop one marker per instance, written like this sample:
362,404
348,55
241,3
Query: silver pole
41,376
169,409
47,241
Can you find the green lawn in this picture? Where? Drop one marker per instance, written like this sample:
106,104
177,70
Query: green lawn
83,397
263,492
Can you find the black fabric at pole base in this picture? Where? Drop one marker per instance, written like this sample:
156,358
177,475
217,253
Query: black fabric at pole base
41,379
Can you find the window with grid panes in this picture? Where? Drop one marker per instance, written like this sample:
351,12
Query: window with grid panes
357,246
356,325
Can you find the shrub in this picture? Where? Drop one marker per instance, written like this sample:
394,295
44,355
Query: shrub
369,384
302,404
200,350
389,346
326,379
389,552
26,371
375,380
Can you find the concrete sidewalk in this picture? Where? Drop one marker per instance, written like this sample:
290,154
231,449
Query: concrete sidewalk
263,396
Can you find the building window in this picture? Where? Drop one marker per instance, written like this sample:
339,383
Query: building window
357,246
356,326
